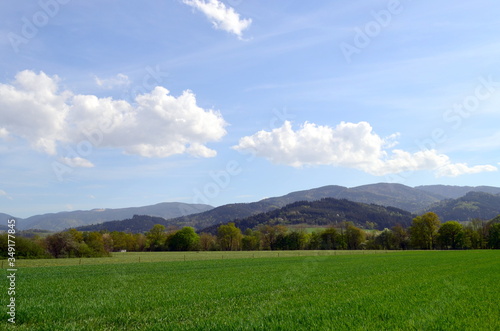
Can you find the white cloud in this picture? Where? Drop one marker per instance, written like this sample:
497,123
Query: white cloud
3,133
352,145
222,17
77,162
3,193
157,125
33,109
120,80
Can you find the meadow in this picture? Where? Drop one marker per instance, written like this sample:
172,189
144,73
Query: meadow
411,290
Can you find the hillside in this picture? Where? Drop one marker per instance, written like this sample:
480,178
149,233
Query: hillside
328,211
227,213
385,194
480,205
65,220
4,218
415,200
395,195
136,224
455,192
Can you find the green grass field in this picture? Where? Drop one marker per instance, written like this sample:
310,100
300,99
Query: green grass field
413,290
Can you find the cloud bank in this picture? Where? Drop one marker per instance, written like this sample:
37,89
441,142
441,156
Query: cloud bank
222,17
156,125
351,145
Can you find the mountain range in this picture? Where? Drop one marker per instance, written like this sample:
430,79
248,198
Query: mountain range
324,212
65,220
415,200
395,195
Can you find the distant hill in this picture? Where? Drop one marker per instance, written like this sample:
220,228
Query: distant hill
480,205
65,220
455,192
395,195
3,221
385,194
414,200
136,224
328,211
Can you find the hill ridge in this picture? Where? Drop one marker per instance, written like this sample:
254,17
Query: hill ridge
326,211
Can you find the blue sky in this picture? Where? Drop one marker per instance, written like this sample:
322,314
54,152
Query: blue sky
109,104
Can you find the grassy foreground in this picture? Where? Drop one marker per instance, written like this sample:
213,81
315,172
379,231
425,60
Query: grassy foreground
455,290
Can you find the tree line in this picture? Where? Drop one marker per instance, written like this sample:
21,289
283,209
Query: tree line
425,232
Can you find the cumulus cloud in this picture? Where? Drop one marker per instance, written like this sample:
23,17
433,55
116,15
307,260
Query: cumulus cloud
156,125
33,109
352,145
120,80
222,17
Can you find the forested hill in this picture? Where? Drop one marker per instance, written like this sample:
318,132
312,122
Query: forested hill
385,194
136,224
328,211
473,205
455,192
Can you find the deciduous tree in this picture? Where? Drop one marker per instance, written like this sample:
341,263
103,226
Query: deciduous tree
269,235
423,231
251,240
451,235
330,239
229,237
185,239
494,236
354,237
156,238
401,236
